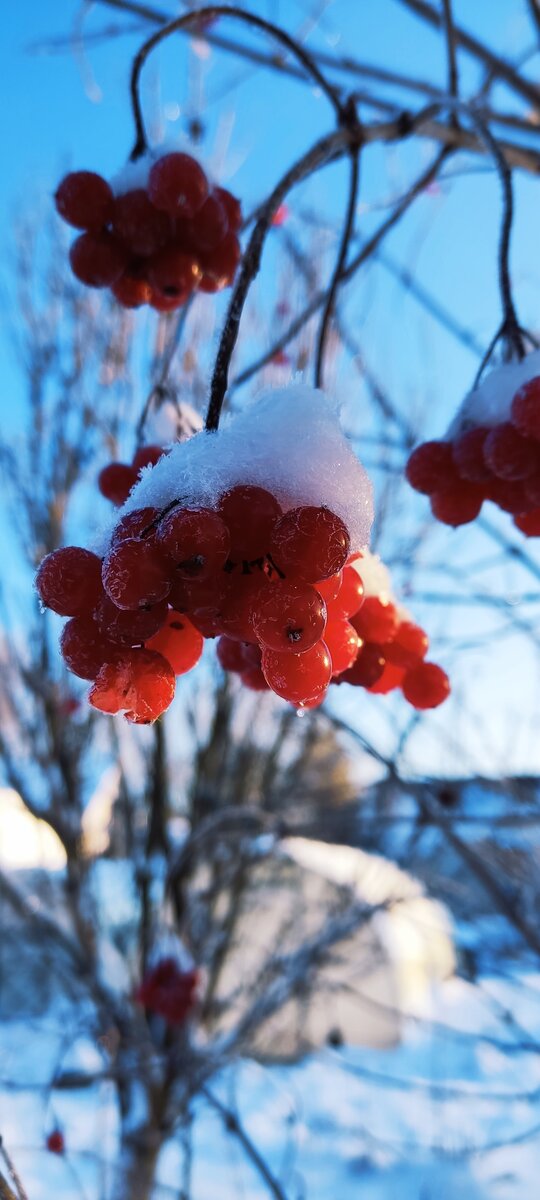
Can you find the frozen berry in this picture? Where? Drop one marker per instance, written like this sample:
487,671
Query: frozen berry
134,524
329,588
85,647
458,505
525,411
140,683
511,496
509,454
426,686
115,482
229,654
85,200
135,574
409,644
98,259
377,619
177,185
529,523
343,644
173,273
179,642
232,208
298,677
219,265
431,467
69,581
253,678
140,226
130,627
196,540
310,543
350,596
367,668
468,451
250,514
209,226
289,617
147,456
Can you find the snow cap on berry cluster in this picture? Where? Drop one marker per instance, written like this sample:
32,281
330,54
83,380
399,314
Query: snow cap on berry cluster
288,441
134,175
489,403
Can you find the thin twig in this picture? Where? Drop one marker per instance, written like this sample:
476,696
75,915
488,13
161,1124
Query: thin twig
5,1190
233,1125
348,229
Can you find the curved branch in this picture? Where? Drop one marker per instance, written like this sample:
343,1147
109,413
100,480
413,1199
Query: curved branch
348,229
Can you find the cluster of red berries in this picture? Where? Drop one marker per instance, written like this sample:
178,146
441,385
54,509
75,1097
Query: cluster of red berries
168,991
116,480
392,655
156,244
500,463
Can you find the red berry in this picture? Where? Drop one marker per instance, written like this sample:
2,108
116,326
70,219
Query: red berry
351,593
532,489
426,686
280,216
250,514
173,273
298,677
140,226
140,683
236,611
525,411
289,617
177,185
343,644
85,647
377,620
169,991
69,581
459,504
197,540
367,668
134,524
85,200
179,642
310,543
115,482
329,588
230,654
512,497
130,628
219,265
135,574
147,456
209,226
232,206
509,454
468,451
56,1142
98,259
431,467
409,644
166,304
529,523
131,292
391,678
253,678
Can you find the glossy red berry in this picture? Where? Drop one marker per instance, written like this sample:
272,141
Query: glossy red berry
377,620
219,265
135,574
179,642
329,588
250,514
458,505
115,482
310,543
230,654
391,678
138,224
431,467
343,644
241,600
289,617
98,259
509,454
85,200
177,185
140,683
468,451
350,596
69,581
253,678
134,524
209,226
426,686
298,677
173,273
196,540
367,668
409,644
131,291
55,1142
512,497
130,627
529,523
85,647
232,206
525,411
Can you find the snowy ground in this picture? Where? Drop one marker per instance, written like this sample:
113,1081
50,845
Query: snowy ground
423,1121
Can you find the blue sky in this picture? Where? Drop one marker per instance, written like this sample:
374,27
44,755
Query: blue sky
66,110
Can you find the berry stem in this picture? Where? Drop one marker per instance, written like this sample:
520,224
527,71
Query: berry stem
194,18
346,236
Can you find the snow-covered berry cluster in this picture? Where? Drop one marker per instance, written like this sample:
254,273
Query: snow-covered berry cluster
117,479
491,452
393,647
156,236
169,991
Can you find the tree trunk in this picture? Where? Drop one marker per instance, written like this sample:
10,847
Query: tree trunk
136,1168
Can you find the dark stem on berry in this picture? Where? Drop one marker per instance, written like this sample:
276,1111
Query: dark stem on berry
348,230
194,18
320,154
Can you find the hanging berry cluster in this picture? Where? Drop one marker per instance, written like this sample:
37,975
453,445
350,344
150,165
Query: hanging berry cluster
492,452
168,991
157,242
